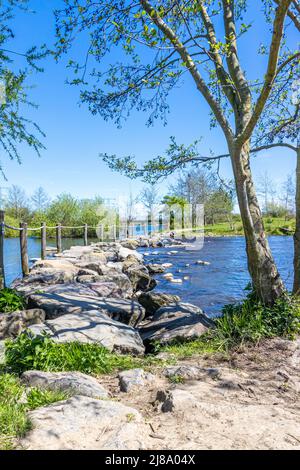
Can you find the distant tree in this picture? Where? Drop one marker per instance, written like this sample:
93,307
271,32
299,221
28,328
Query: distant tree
288,195
267,190
40,199
149,197
17,203
64,209
219,205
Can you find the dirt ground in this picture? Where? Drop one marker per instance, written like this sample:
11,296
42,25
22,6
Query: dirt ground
247,401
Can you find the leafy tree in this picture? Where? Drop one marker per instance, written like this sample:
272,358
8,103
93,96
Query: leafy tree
15,128
219,205
184,38
64,210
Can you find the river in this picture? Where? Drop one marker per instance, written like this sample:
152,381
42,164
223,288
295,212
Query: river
209,287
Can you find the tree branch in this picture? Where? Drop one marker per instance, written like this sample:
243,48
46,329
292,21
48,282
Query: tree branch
191,66
280,16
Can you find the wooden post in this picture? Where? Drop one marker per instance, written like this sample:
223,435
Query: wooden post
2,272
58,238
85,235
24,250
43,241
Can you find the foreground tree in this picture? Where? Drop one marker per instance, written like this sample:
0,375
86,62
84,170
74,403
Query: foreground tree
184,37
15,128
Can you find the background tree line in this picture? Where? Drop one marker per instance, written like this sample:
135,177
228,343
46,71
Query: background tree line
64,209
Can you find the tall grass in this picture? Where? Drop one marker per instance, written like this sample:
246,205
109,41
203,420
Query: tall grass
42,353
246,322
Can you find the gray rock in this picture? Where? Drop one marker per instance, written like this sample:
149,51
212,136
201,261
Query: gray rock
155,268
177,310
152,301
134,378
92,327
187,372
176,322
61,300
121,280
74,382
176,400
88,278
12,324
123,253
140,278
86,424
130,244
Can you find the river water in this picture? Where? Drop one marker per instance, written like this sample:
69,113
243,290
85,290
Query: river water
209,287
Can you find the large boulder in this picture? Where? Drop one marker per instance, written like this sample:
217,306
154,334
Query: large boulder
92,327
74,382
175,322
155,268
40,277
123,253
12,324
86,424
78,298
130,244
152,301
140,277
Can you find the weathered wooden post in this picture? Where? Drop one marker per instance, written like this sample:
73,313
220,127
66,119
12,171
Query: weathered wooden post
2,272
24,249
85,236
43,241
58,238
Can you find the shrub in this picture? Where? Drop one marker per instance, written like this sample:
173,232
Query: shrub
10,301
247,321
42,353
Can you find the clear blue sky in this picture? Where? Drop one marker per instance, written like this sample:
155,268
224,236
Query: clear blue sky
74,137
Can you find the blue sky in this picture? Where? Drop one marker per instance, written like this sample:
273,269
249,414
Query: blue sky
74,137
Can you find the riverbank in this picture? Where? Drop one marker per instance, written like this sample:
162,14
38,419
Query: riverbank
102,319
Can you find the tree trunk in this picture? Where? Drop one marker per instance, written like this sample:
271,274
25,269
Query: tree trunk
262,268
296,287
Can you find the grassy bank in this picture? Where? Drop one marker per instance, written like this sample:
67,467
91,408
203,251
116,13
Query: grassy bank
242,323
273,226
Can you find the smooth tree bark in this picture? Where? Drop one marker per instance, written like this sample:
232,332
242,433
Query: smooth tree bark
296,285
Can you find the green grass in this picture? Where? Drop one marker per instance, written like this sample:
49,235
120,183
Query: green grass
10,301
14,404
13,420
246,322
37,397
273,226
42,353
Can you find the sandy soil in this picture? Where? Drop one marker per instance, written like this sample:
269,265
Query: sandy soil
250,402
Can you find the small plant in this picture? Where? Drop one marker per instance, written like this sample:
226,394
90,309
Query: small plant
176,379
37,397
10,301
130,417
